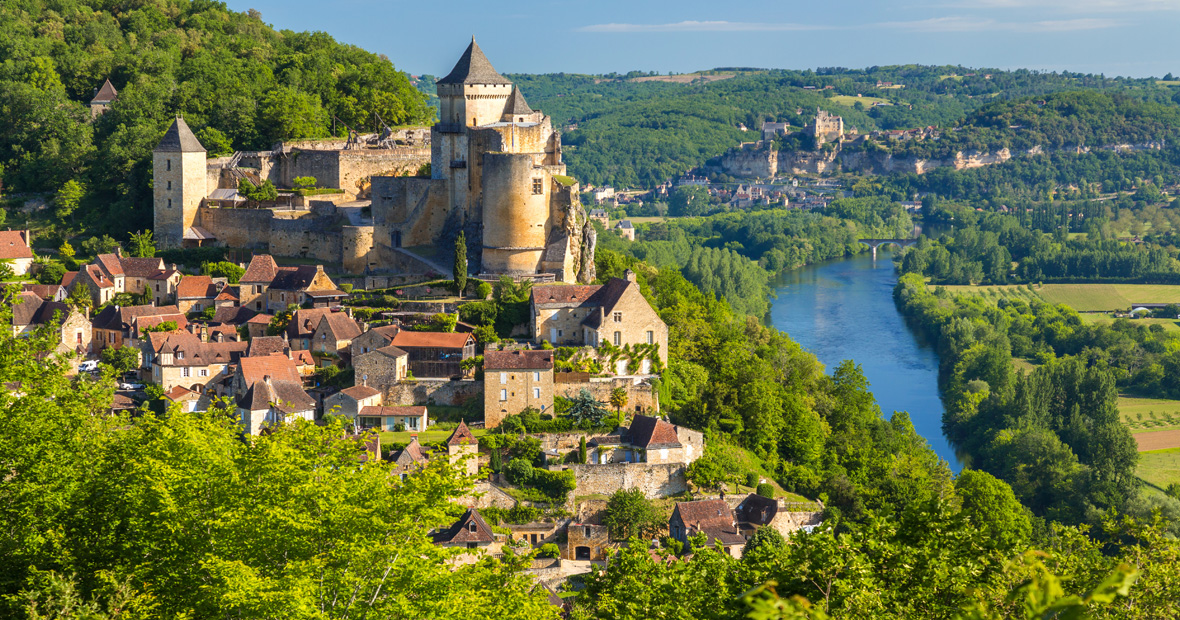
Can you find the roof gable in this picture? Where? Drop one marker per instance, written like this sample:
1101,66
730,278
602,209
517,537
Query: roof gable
179,139
461,436
13,245
106,93
473,68
516,105
262,269
340,325
653,433
470,528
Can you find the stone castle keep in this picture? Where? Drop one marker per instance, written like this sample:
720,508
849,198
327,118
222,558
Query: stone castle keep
496,174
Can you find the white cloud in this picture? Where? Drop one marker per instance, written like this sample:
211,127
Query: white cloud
983,24
700,26
1074,6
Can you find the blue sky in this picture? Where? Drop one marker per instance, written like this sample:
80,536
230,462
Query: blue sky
1115,37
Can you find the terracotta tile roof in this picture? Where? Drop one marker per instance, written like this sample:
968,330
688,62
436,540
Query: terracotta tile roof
277,367
563,295
409,457
137,267
266,345
653,433
196,287
163,274
44,291
13,245
518,360
110,264
360,392
440,340
711,516
340,326
106,93
262,269
260,319
195,352
67,279
98,276
304,321
285,396
377,411
462,436
229,293
123,317
179,393
392,351
303,358
470,528
139,323
121,402
229,315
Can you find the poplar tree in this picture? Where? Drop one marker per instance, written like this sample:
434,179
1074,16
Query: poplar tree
460,264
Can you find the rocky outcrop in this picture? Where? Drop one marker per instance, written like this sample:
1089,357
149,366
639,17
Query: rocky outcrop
587,271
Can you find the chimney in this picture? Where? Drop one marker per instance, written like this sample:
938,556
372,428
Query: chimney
629,275
364,380
266,380
319,269
119,251
204,333
28,237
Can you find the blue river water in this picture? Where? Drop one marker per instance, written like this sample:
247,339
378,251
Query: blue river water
843,309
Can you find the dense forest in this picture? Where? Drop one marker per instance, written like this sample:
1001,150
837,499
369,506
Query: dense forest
239,83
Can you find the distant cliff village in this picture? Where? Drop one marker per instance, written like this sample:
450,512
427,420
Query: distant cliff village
491,168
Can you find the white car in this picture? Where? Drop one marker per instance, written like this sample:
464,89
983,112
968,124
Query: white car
88,366
130,386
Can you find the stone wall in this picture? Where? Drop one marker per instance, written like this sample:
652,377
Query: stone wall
409,212
641,398
486,495
438,392
350,170
654,479
238,228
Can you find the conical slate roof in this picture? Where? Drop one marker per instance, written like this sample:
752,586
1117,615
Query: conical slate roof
179,139
106,93
473,68
516,104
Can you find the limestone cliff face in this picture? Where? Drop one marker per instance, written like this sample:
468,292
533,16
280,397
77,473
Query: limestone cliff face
587,273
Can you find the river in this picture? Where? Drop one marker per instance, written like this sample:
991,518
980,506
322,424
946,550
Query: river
843,309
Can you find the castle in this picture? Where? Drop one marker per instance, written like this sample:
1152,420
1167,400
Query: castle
496,174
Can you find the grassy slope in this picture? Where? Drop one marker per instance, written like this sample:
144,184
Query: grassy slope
1160,467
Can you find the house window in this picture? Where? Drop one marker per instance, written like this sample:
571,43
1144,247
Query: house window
560,333
618,316
536,392
503,394
184,372
538,188
618,339
536,376
204,372
79,334
472,546
503,378
180,355
651,337
471,527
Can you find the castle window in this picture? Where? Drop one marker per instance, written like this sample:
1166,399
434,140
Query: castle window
618,316
169,184
169,203
168,165
538,187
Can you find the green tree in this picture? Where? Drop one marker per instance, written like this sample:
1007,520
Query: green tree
142,244
630,515
216,144
51,272
223,269
120,359
79,298
67,200
688,200
460,270
586,411
582,450
618,400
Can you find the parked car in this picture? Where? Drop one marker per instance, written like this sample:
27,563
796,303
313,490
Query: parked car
88,366
131,386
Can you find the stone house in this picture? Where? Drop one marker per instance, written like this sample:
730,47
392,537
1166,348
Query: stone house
387,418
180,358
113,324
469,532
600,216
756,511
196,293
647,440
435,354
331,339
14,248
349,401
254,369
256,280
301,328
111,274
271,402
258,324
614,313
103,98
30,312
381,368
515,381
187,398
463,447
711,516
373,339
536,533
586,542
101,287
301,285
626,230
409,459
163,285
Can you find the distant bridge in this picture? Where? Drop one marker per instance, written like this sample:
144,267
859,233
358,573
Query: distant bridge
876,243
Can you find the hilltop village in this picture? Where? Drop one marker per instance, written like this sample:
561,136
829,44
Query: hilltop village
302,333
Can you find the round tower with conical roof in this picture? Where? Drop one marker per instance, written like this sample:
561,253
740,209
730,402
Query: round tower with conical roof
178,184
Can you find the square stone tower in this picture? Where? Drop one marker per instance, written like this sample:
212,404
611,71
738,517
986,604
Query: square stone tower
178,184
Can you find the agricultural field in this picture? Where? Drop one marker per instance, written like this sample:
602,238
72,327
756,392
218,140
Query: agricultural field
1149,414
1080,297
1099,318
1160,467
849,100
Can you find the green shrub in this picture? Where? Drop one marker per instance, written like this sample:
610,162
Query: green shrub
549,550
751,479
766,490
